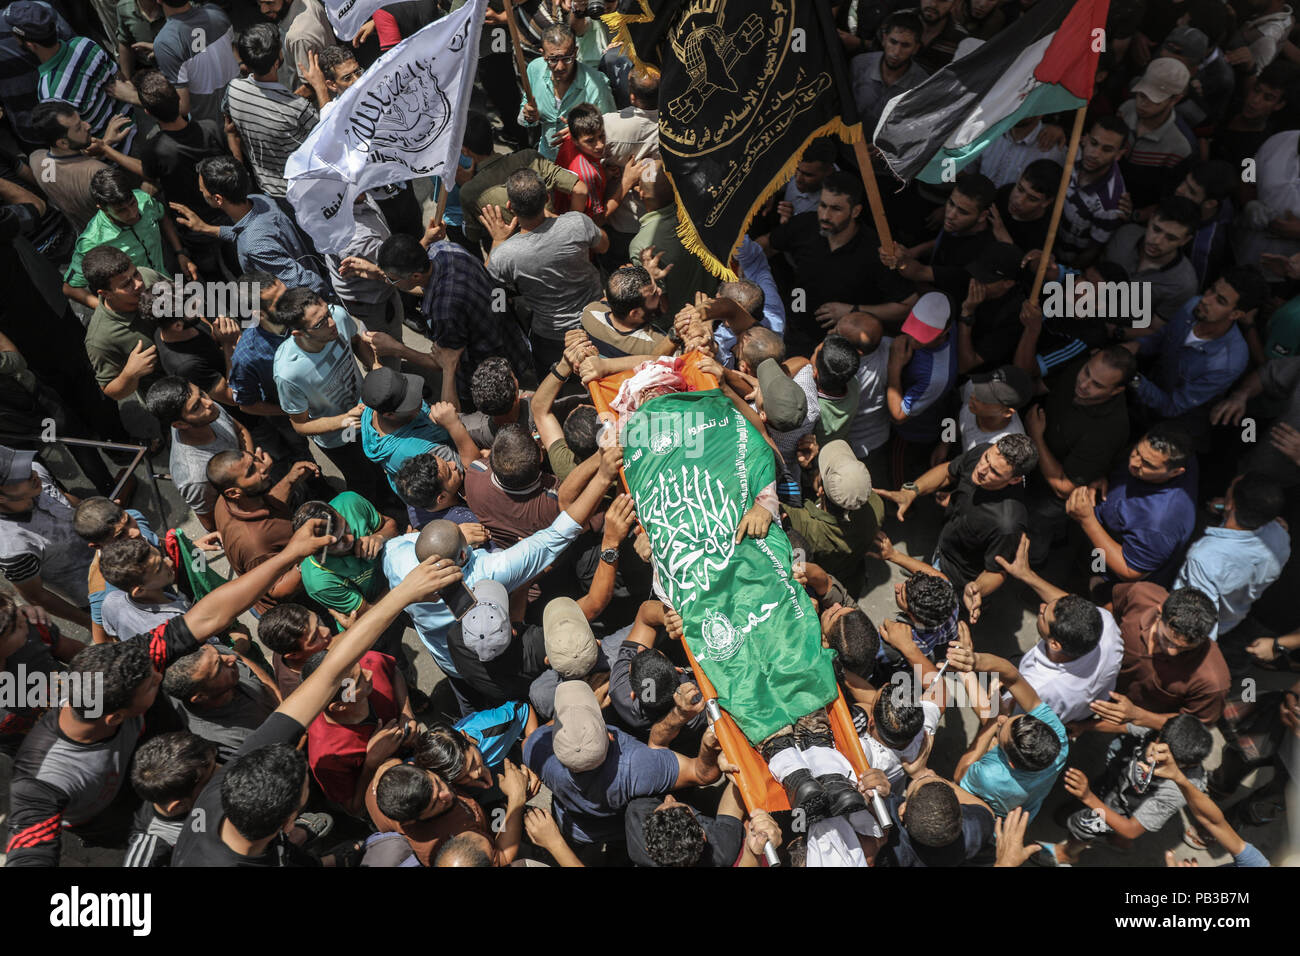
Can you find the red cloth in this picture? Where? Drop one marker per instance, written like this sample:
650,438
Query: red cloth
336,753
386,28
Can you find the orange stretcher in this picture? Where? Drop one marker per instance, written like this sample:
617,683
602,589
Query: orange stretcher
758,788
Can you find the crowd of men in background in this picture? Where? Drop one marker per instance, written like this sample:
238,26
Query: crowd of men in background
1132,472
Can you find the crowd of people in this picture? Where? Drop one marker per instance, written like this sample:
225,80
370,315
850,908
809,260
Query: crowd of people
399,440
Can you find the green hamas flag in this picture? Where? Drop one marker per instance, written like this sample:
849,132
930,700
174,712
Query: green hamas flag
745,86
694,467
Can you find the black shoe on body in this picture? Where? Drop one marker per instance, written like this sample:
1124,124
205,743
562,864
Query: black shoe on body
843,796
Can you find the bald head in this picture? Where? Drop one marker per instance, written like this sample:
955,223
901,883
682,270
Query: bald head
759,344
863,331
440,538
746,294
465,849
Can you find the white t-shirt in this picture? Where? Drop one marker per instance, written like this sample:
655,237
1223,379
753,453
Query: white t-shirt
972,434
1070,687
870,426
889,761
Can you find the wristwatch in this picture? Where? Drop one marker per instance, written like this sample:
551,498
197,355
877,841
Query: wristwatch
554,370
910,486
609,555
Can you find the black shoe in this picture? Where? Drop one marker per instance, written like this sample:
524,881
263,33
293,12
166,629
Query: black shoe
775,745
843,796
806,741
806,794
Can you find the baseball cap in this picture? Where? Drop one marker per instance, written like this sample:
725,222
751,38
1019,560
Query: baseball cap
1187,41
571,648
1009,385
784,403
392,393
845,480
1165,77
485,628
928,318
32,21
999,260
580,741
15,466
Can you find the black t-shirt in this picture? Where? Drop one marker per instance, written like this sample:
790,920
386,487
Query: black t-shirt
996,330
852,273
200,841
723,836
951,256
1085,439
981,524
1027,235
171,159
506,677
200,360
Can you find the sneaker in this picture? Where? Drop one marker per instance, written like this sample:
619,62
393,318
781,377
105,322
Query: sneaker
317,825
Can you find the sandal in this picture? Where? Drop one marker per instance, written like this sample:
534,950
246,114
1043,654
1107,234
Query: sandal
1047,856
1192,838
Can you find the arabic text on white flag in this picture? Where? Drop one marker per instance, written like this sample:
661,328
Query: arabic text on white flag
347,17
404,119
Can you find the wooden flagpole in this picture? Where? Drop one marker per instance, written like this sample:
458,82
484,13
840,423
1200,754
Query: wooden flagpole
515,42
873,193
1059,206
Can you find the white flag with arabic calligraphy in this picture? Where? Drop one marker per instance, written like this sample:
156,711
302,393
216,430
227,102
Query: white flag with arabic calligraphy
404,119
347,17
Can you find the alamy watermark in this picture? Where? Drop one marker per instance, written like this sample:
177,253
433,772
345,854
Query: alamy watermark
1080,299
178,298
22,689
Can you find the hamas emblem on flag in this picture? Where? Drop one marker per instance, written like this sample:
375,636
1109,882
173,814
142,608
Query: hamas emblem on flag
720,636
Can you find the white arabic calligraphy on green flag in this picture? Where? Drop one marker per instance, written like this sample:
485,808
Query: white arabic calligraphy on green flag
694,467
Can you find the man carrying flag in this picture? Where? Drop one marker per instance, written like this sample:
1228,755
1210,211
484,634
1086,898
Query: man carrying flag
404,119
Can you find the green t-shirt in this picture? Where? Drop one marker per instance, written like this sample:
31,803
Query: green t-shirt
344,580
141,241
837,414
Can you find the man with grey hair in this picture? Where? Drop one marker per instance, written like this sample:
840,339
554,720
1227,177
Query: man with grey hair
560,82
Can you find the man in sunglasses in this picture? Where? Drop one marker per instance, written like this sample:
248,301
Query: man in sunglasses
559,83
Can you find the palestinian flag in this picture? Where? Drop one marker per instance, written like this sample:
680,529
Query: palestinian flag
745,86
1045,62
694,466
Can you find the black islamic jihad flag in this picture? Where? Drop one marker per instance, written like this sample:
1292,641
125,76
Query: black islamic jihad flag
745,86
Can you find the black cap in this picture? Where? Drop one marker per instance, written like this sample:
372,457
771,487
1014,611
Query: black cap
32,21
999,260
388,392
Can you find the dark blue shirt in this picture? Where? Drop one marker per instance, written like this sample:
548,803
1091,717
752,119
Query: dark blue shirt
1152,523
589,806
251,378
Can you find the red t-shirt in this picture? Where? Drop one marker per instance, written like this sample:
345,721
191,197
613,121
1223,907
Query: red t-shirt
337,752
593,174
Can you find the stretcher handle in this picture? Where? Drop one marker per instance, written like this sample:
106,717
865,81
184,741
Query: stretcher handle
714,713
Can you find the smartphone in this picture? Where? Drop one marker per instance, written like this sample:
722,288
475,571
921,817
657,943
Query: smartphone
458,598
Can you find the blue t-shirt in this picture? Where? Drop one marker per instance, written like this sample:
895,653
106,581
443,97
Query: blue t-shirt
589,806
1249,856
97,599
1002,787
321,383
974,848
417,436
495,731
1152,523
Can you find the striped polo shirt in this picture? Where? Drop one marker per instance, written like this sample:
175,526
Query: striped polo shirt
272,123
77,75
1091,213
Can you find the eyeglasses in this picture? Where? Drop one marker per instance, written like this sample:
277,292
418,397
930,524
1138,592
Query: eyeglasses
561,60
349,77
319,325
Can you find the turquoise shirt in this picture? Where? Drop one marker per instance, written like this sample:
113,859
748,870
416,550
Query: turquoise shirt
589,86
416,437
1002,787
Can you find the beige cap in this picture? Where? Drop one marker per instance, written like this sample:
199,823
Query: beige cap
1164,77
580,741
845,480
571,648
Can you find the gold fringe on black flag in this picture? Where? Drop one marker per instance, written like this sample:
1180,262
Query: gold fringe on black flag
745,86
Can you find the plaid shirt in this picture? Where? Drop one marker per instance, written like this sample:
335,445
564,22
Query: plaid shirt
458,312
